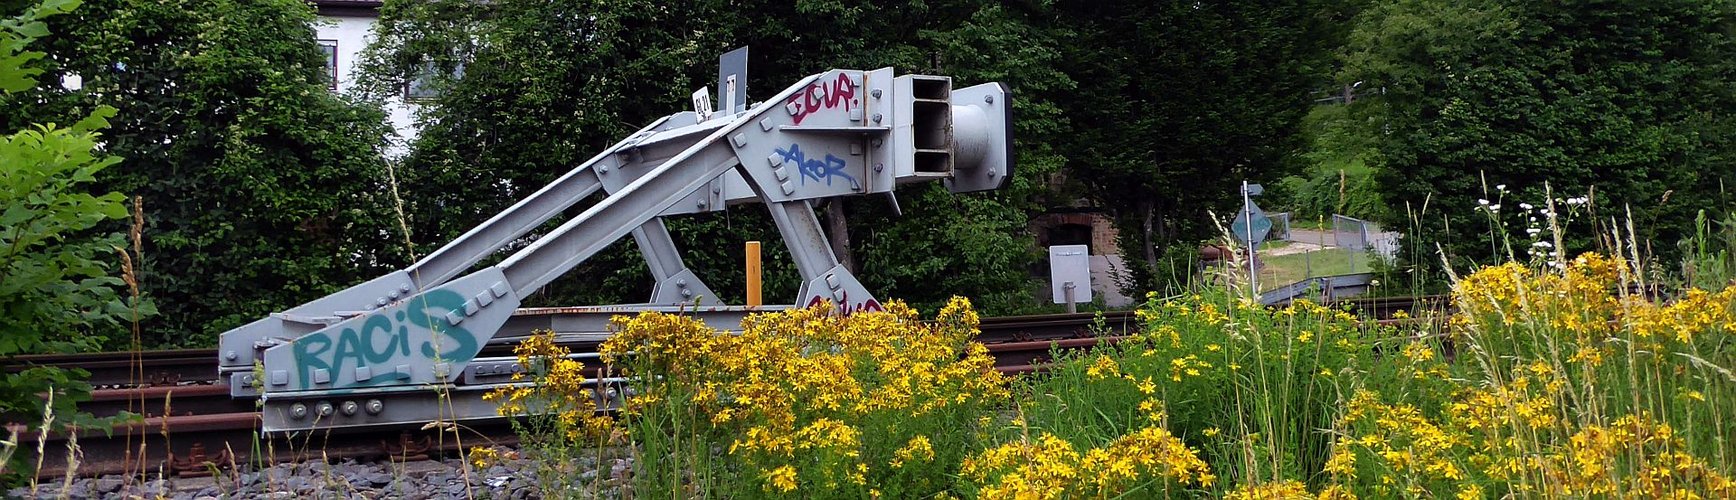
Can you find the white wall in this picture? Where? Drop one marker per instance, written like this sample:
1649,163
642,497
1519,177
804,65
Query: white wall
352,34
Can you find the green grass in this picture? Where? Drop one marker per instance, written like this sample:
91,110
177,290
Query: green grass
1286,269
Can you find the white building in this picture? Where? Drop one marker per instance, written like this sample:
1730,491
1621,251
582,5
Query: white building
345,27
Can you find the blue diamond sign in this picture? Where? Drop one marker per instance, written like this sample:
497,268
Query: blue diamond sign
1251,232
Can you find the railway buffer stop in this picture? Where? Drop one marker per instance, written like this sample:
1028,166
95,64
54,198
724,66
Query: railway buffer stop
379,353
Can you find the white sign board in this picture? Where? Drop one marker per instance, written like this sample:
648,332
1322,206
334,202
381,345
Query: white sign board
702,103
1070,264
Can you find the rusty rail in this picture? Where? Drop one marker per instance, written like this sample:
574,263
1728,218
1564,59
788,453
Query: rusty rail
190,426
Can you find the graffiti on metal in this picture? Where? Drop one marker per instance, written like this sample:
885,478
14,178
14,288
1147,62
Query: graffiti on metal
385,336
823,95
827,169
845,307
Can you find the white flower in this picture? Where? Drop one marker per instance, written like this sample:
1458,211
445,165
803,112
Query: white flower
1533,231
1482,202
1501,187
1526,206
1543,244
1495,208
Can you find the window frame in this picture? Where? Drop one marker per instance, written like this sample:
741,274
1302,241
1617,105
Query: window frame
331,62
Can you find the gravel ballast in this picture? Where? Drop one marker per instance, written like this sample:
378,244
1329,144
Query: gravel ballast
346,480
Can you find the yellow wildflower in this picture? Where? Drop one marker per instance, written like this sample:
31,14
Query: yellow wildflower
782,478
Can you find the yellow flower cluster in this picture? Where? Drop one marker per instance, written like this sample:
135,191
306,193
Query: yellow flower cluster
1188,365
1103,367
917,450
1532,417
1581,300
1575,300
1408,444
1698,311
782,479
558,389
483,457
1528,401
1053,468
1281,490
791,393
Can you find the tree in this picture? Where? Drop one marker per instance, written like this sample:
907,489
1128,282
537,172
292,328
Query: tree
943,245
1180,101
57,291
264,188
1618,100
530,103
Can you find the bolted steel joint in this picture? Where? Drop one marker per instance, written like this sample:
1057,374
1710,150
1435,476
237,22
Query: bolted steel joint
375,407
350,408
298,411
325,409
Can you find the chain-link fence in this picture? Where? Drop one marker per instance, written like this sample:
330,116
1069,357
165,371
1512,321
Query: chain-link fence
1356,234
1280,227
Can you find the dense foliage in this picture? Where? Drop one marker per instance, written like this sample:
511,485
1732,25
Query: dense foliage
1619,102
1178,102
520,103
58,286
263,189
1337,178
1551,381
266,191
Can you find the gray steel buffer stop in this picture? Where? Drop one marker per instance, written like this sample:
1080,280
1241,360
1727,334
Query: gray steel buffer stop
377,353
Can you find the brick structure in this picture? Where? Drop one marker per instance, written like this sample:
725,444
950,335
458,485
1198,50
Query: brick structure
1092,228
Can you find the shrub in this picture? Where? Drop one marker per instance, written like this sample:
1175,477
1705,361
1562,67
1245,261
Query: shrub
801,403
1551,380
56,291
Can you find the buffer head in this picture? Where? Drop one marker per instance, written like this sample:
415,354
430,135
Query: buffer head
962,136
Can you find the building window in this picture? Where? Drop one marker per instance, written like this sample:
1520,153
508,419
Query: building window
423,85
330,49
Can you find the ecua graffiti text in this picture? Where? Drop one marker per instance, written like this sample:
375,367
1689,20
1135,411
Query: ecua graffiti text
823,95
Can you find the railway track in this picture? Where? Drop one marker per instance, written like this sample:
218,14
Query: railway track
189,423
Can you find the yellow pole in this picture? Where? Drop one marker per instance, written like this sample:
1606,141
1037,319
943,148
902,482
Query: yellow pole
753,273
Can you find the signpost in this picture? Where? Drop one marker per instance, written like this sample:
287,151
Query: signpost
1251,227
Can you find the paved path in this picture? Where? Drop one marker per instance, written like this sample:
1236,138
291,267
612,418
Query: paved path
1312,236
1383,242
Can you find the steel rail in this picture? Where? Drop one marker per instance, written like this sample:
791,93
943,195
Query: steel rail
202,428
